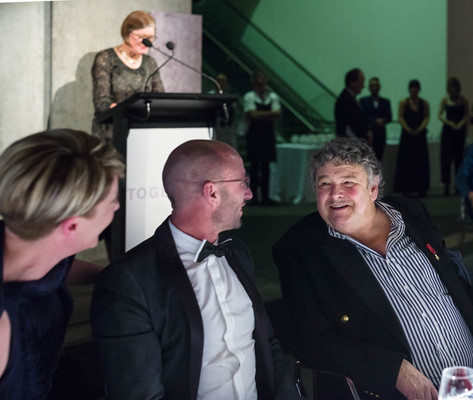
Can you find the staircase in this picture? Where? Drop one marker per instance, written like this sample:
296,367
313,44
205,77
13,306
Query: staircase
307,103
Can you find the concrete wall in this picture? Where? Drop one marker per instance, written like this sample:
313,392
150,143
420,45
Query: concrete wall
47,53
24,69
460,43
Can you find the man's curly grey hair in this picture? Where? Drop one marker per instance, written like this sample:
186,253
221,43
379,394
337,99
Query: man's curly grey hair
343,150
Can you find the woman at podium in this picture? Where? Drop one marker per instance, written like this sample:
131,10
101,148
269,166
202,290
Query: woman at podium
123,70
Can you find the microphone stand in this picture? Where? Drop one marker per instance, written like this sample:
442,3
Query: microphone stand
170,46
170,57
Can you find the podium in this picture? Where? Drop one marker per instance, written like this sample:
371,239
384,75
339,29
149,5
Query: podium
146,128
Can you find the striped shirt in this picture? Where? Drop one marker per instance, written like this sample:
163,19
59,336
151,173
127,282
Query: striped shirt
437,334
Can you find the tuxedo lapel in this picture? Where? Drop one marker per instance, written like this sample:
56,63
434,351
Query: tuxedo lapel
373,108
236,264
177,277
352,100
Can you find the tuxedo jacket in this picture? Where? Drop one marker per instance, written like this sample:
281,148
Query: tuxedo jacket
342,319
349,113
382,111
147,321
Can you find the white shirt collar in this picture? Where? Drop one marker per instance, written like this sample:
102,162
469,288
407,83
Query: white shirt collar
187,243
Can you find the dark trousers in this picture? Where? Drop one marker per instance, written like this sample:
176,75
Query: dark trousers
259,177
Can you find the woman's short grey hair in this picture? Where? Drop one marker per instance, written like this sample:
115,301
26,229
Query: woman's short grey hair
352,151
50,176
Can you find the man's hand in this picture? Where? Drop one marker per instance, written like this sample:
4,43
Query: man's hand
458,125
413,384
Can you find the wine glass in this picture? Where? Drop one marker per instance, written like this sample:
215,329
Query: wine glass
456,383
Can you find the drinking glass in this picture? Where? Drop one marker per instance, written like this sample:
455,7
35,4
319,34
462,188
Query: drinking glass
456,383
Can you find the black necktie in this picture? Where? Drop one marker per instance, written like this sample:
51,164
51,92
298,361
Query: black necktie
218,250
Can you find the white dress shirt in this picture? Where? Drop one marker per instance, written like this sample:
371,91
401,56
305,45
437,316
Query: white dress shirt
228,361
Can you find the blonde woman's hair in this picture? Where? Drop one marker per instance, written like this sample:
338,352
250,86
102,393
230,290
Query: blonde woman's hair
50,176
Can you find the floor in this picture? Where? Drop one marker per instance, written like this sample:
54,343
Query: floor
261,227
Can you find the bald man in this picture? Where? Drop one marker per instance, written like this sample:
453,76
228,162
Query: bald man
178,319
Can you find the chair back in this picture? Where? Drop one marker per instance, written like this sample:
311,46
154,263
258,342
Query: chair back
325,384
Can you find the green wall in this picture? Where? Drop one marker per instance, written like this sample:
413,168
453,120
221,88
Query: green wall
394,40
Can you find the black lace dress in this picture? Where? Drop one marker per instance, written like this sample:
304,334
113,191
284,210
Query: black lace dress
114,82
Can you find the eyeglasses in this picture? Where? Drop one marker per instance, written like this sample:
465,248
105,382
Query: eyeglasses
245,180
141,37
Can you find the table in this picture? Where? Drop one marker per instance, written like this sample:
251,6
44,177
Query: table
290,179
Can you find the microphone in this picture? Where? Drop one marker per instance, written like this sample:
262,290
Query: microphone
170,46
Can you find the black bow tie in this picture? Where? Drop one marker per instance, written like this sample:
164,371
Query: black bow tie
218,250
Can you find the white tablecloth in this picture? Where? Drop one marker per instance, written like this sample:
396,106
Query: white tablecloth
290,178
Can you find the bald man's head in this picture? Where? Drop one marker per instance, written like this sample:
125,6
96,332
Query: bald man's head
192,164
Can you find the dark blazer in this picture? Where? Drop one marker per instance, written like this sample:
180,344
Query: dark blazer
382,111
342,319
349,113
148,324
372,113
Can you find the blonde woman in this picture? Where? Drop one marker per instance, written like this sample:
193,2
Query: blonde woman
58,192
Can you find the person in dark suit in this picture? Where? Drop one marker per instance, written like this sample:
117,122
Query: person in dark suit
178,319
378,111
369,283
350,121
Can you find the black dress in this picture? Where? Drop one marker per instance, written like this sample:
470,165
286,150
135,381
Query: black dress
452,141
114,82
39,312
412,169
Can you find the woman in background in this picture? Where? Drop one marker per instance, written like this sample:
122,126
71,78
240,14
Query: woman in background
412,169
455,122
123,70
